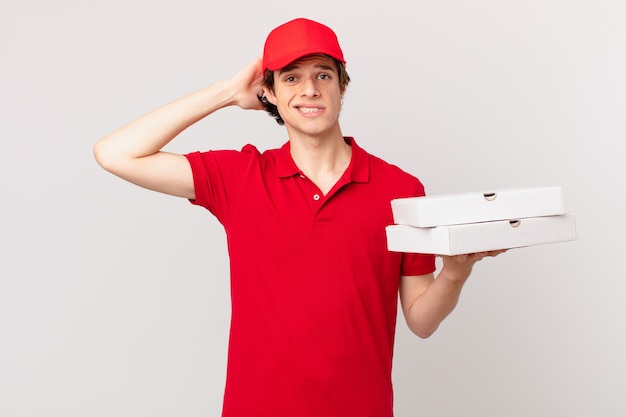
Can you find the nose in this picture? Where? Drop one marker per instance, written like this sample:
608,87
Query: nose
309,88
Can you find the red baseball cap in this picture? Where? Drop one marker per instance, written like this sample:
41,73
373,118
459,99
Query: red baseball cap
298,38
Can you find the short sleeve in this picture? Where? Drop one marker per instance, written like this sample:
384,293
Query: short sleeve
417,264
217,175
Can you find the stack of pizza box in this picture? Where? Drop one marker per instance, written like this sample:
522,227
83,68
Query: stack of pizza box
463,223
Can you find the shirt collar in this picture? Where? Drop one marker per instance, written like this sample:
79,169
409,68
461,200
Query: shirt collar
358,170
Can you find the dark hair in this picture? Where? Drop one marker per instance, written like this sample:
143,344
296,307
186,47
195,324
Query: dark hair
268,81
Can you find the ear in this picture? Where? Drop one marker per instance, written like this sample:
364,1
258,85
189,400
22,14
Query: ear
269,95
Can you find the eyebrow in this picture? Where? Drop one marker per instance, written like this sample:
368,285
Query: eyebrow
295,66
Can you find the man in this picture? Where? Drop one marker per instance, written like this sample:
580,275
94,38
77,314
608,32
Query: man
314,289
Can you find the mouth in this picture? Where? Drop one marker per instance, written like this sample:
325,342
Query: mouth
309,110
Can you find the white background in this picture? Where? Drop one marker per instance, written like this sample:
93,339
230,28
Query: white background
114,300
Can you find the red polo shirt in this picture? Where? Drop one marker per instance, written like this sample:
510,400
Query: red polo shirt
314,289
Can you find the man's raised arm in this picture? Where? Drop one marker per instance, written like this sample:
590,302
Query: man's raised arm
134,151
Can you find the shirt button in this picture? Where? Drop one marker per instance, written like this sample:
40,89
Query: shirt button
316,197
301,176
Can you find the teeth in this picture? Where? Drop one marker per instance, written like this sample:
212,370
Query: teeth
308,109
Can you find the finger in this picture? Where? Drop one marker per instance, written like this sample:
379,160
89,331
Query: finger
478,256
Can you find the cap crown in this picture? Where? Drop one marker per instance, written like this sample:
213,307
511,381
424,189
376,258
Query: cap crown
298,38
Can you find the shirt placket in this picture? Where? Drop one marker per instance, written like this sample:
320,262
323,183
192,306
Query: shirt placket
312,194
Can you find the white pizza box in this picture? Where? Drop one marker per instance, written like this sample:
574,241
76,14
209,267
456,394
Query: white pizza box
484,236
448,209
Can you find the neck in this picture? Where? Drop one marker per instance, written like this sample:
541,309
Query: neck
323,161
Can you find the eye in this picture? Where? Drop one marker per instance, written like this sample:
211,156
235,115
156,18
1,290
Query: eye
324,76
290,78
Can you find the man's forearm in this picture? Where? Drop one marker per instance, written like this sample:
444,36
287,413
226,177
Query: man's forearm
426,302
426,313
151,132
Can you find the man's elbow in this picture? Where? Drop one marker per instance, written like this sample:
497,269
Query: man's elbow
99,152
423,331
105,157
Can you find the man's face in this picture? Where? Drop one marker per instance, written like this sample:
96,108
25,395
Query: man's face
308,95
